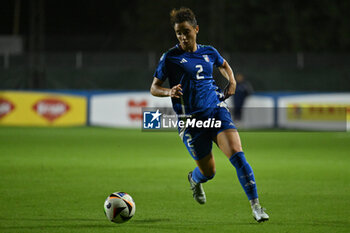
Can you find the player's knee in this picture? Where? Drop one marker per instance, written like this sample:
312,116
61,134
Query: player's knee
234,149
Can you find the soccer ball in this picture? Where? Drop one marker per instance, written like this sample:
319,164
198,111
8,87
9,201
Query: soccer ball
119,207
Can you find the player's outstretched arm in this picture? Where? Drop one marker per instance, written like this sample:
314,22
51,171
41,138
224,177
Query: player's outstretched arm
158,90
227,72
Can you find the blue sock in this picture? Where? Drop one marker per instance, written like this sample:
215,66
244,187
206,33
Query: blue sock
245,174
198,177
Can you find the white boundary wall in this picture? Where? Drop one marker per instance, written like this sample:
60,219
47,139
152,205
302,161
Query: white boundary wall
258,112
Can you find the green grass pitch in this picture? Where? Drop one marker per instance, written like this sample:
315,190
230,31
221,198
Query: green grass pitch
57,179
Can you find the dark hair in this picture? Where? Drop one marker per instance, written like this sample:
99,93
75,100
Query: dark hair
182,15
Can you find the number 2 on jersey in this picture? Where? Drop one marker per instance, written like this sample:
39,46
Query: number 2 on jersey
200,67
189,140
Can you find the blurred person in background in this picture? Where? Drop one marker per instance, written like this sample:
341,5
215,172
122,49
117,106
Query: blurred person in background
189,66
243,90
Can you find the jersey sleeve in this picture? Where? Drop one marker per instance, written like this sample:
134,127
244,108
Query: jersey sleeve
161,71
218,59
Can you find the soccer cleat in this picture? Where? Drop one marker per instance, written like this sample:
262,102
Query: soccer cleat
259,213
197,189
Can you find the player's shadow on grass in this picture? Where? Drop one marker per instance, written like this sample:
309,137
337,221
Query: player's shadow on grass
149,220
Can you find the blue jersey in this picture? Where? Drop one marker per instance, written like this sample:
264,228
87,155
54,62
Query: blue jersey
193,70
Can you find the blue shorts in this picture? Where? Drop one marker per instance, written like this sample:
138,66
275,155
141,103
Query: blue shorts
199,140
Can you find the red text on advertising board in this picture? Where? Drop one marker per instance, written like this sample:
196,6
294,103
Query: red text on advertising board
51,108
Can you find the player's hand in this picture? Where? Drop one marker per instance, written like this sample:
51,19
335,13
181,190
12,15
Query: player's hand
230,89
176,91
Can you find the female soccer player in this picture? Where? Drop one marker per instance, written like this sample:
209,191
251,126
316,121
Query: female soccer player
189,68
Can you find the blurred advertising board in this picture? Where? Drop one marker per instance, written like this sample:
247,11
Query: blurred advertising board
27,108
123,109
315,112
